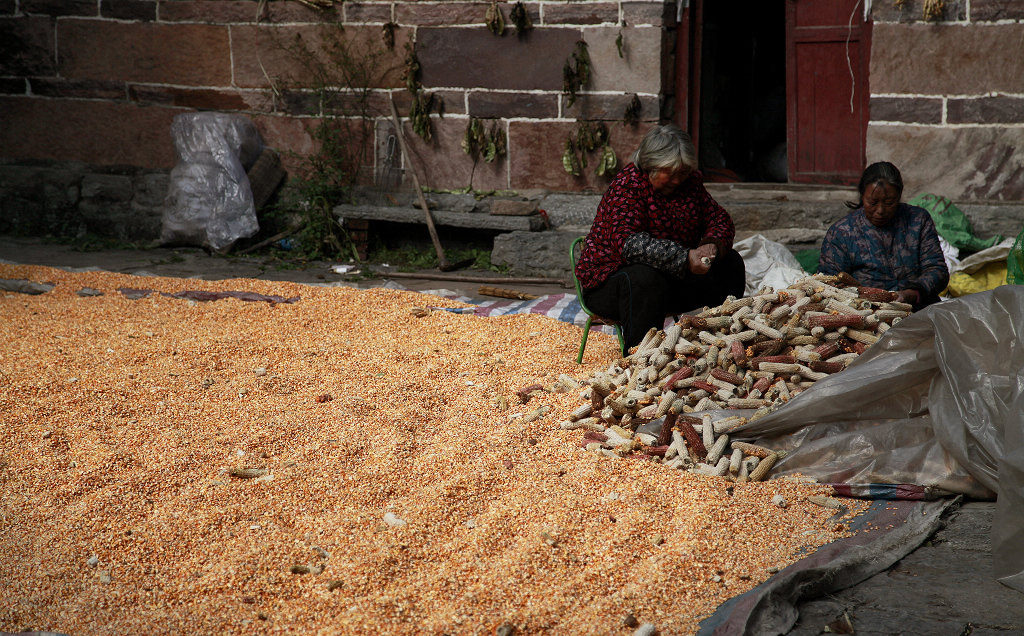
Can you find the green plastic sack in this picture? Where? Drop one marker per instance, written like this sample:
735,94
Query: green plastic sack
1015,262
808,259
952,224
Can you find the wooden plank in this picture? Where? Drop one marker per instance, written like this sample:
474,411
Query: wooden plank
453,219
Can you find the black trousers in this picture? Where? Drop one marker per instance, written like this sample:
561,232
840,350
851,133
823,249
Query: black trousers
639,296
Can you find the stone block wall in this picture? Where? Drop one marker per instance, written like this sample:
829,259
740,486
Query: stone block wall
98,82
947,97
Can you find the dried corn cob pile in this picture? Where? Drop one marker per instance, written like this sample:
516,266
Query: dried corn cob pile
348,463
754,352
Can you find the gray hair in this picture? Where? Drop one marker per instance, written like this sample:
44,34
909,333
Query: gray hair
667,146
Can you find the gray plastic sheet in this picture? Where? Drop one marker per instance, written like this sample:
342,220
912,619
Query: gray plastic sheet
209,200
937,403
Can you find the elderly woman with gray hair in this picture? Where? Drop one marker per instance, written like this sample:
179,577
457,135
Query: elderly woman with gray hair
659,244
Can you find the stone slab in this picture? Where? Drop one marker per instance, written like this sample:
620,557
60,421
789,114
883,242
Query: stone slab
913,11
985,164
182,54
536,155
991,10
529,224
94,132
640,68
919,110
144,10
947,59
244,11
441,163
278,52
513,208
531,62
28,47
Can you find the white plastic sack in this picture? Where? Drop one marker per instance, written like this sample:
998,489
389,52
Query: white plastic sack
209,201
938,401
768,263
995,254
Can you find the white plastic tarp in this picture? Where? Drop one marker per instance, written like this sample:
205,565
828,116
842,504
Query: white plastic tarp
768,263
209,200
938,401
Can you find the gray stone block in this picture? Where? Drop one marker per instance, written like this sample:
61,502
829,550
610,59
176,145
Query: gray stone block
462,203
570,209
108,206
150,190
40,200
99,188
535,253
992,218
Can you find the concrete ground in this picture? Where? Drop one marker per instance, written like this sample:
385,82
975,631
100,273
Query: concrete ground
944,587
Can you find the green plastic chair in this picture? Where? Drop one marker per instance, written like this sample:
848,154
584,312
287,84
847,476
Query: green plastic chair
592,318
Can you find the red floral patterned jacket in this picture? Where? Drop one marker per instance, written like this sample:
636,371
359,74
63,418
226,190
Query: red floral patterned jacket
630,205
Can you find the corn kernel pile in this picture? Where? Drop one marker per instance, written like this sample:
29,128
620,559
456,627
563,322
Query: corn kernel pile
342,463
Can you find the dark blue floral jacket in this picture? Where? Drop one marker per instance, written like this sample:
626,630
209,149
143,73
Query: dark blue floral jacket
903,255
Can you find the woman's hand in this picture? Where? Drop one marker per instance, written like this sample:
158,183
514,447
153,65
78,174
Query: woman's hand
909,296
701,258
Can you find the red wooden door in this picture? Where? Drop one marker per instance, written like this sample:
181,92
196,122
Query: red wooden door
828,44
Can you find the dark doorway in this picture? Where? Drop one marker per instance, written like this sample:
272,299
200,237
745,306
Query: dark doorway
742,59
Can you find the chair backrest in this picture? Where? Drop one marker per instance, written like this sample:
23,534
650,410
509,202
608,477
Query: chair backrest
573,257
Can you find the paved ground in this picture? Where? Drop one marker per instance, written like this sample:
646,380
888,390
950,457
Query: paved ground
945,587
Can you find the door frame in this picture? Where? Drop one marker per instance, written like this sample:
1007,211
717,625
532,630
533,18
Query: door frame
689,31
687,77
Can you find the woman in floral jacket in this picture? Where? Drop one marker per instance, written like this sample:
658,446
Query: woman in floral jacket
659,244
885,243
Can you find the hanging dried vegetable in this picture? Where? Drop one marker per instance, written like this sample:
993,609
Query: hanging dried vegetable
496,146
388,33
588,137
422,104
477,142
419,114
570,161
576,72
411,71
494,20
631,117
520,18
607,162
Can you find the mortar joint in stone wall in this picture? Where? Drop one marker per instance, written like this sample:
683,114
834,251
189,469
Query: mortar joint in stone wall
950,95
893,124
231,57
